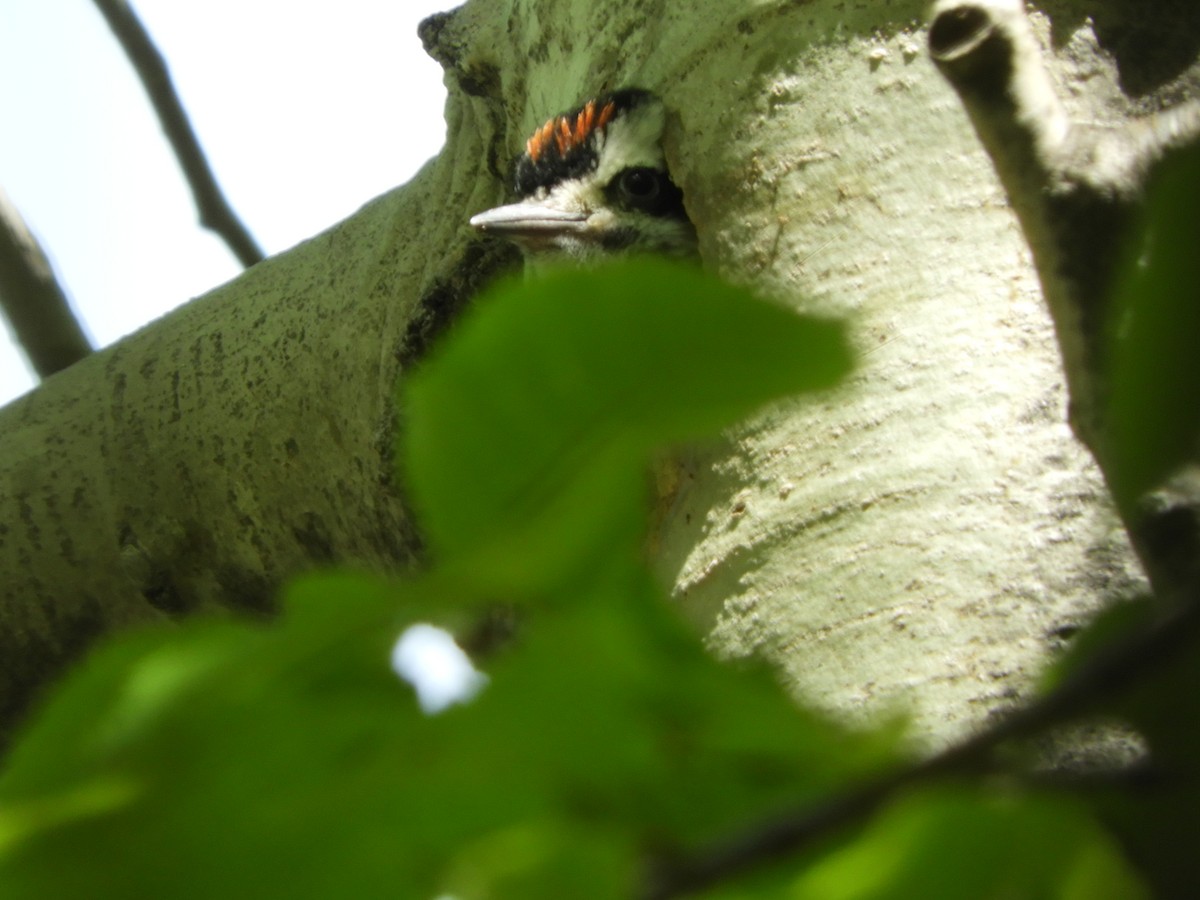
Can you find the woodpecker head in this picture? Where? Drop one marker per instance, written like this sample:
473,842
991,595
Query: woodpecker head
593,181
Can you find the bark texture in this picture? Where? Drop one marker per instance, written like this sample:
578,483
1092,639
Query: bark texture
918,540
925,537
242,439
1078,187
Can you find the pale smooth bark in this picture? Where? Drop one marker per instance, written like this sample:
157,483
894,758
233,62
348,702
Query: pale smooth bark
1078,186
924,538
919,540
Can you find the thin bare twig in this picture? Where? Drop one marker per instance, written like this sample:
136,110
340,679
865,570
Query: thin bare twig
215,212
1089,686
32,299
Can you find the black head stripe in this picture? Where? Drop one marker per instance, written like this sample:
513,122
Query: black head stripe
567,146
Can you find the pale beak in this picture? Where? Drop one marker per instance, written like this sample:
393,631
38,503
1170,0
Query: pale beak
531,221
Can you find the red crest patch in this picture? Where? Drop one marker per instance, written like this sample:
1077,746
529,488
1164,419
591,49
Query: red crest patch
564,134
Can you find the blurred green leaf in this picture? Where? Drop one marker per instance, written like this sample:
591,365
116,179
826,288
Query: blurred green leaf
1158,816
1154,428
526,437
1154,414
239,760
964,844
1111,627
242,761
1154,810
215,745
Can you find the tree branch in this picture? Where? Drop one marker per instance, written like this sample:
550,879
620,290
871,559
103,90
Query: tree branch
33,301
1076,188
1095,682
215,212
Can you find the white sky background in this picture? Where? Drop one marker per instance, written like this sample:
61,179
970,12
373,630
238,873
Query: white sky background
307,110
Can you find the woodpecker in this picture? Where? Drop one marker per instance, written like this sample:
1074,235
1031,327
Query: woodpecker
594,181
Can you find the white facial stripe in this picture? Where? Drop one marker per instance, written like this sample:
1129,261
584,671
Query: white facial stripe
632,139
576,195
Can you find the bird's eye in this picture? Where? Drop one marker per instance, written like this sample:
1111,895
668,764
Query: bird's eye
645,189
640,187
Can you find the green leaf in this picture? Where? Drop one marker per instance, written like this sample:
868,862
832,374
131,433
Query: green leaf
526,438
1110,628
1154,414
1156,814
215,760
236,760
960,844
249,762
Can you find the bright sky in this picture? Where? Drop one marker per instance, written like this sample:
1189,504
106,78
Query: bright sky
307,110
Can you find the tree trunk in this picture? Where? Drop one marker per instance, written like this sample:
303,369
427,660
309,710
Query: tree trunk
919,539
242,439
